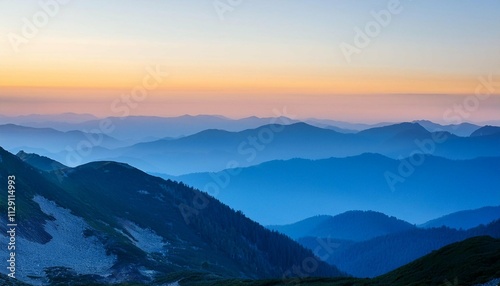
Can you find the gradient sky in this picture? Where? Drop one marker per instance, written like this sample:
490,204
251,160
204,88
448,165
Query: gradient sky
263,55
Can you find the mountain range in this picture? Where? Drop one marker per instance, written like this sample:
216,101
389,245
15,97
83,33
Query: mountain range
463,129
64,203
16,137
92,212
144,128
223,149
182,201
196,123
120,224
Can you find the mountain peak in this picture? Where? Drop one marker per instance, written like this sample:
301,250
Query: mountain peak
40,162
353,225
486,131
96,165
399,130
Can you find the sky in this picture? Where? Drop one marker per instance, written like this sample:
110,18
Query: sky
360,61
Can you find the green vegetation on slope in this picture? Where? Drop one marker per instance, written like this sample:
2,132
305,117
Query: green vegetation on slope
474,260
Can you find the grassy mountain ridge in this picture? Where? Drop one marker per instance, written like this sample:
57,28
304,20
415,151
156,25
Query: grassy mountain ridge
40,162
474,260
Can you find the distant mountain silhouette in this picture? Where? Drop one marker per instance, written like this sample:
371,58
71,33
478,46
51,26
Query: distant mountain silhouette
46,120
348,127
137,129
53,141
486,131
351,225
140,128
466,219
222,149
301,228
385,133
218,147
463,129
281,192
298,140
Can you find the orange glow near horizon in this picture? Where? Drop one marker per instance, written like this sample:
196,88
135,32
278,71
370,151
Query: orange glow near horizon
237,81
88,56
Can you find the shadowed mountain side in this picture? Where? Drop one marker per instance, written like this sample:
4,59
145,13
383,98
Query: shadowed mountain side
281,192
51,140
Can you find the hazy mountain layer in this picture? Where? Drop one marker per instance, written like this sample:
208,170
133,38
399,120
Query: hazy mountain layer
281,192
220,149
466,219
351,225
